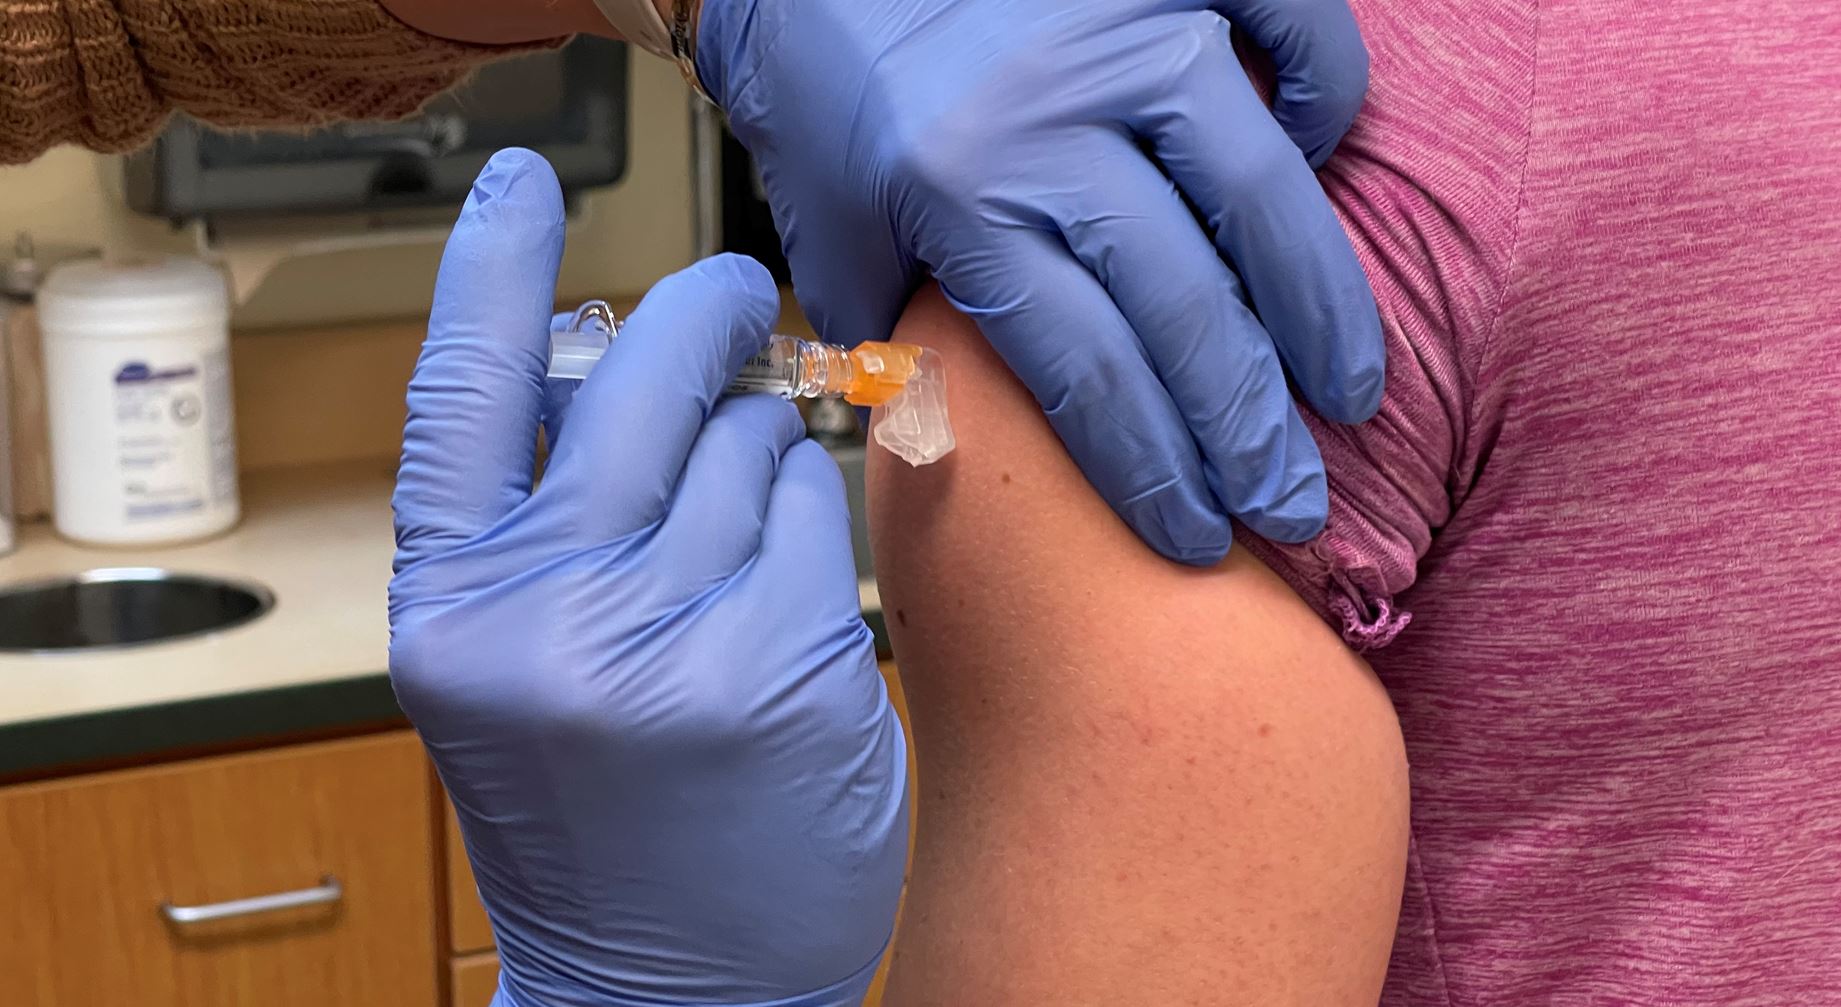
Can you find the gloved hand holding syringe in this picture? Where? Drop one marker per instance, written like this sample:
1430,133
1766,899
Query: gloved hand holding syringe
908,382
645,680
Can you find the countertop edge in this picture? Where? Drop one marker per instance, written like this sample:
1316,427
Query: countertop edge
146,733
74,744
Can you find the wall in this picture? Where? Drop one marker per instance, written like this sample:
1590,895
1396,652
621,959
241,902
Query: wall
324,346
626,237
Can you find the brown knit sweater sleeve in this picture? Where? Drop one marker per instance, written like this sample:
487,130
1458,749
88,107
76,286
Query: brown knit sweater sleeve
106,73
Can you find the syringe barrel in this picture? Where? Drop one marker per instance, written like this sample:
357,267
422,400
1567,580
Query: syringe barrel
908,381
788,367
794,368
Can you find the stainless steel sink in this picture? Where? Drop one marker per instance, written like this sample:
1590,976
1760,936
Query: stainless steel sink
122,607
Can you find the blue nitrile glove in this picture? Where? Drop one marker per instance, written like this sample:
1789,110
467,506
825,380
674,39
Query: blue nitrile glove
1046,161
646,684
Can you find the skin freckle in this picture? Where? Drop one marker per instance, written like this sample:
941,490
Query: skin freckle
1265,730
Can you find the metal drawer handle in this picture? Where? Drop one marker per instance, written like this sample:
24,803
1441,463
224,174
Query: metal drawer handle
327,891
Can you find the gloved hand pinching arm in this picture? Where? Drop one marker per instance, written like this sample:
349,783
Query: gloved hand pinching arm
1098,184
645,683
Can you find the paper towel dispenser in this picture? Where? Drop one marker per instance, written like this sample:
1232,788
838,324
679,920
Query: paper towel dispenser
568,104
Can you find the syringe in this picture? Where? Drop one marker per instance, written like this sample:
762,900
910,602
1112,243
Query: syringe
907,381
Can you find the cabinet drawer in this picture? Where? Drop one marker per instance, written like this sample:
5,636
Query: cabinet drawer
136,887
473,980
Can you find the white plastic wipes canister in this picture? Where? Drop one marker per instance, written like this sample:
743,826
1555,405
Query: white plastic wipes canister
137,385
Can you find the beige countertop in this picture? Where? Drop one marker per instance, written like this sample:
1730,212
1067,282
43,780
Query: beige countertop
318,537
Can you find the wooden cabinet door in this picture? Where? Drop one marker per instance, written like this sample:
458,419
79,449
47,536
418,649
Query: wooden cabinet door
468,930
86,865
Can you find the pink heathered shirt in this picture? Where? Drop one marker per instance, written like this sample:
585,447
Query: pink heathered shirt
1593,540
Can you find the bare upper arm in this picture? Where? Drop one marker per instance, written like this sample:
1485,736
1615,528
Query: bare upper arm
1140,783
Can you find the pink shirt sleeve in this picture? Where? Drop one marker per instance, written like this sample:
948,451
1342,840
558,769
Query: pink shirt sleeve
1428,184
1604,482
